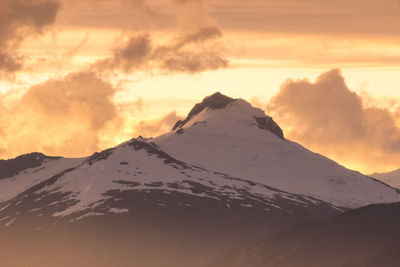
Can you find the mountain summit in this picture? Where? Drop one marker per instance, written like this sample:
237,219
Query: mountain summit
236,110
215,101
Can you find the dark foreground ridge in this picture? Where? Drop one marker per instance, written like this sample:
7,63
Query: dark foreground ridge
365,237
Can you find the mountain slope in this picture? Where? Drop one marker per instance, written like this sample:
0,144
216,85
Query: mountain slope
223,175
137,165
391,178
368,236
136,201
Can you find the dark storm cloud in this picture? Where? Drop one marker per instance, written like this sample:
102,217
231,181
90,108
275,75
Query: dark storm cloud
330,118
20,19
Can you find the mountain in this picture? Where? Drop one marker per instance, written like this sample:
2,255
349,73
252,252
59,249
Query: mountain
364,237
232,137
223,175
392,178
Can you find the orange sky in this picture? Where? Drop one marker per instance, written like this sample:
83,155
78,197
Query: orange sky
80,76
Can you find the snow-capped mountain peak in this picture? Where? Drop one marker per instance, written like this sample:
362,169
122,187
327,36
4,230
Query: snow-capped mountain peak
215,101
221,113
230,136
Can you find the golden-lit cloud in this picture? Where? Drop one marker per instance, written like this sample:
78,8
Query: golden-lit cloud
152,128
64,116
328,117
73,116
18,20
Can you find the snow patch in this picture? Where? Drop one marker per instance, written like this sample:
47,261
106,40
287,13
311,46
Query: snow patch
10,222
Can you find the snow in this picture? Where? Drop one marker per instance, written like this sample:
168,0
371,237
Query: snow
10,222
117,211
90,183
5,207
11,187
5,218
391,178
90,214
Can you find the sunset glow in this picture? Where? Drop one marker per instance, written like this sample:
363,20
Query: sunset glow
82,76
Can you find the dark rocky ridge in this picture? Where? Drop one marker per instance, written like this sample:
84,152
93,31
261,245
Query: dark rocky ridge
267,123
12,167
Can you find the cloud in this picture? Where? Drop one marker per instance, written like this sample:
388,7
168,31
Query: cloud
158,126
74,50
132,55
183,54
329,118
77,115
73,116
66,116
20,19
194,62
194,46
372,17
201,35
131,14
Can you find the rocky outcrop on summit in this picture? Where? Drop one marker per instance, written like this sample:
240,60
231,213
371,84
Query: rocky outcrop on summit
215,101
267,123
